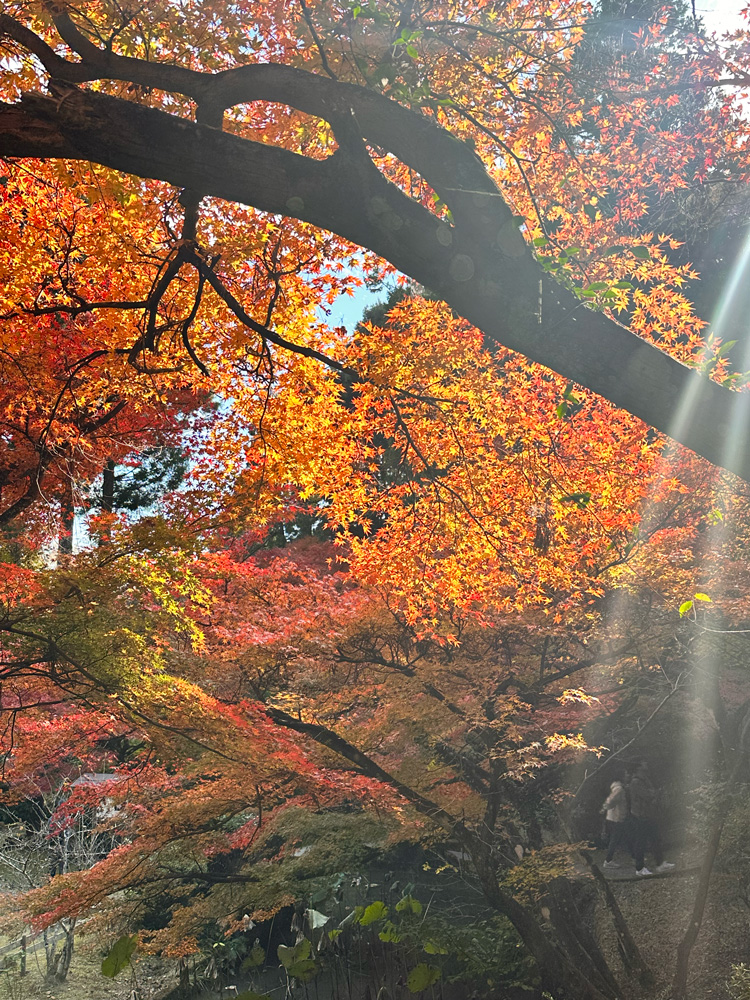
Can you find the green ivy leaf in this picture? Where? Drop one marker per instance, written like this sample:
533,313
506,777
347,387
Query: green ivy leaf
685,607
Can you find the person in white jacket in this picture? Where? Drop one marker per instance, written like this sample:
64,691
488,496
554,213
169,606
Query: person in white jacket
616,812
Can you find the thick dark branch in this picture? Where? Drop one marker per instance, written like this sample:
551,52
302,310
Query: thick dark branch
52,62
445,162
266,333
477,267
372,655
367,766
33,489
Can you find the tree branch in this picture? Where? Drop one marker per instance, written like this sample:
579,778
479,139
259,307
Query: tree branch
480,266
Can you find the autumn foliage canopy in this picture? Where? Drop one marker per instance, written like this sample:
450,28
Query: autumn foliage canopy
403,565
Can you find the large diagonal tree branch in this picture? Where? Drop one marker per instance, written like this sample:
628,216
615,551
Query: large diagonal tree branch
480,266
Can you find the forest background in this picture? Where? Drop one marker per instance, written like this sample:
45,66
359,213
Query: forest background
283,602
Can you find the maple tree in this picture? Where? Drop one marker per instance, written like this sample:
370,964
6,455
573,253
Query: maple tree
482,510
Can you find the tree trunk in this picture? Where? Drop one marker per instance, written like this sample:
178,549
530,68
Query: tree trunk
108,487
573,977
66,955
631,956
578,943
108,499
67,520
679,983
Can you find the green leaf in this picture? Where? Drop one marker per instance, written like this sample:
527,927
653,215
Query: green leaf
642,252
256,957
597,286
334,933
581,500
409,905
685,607
412,51
119,957
374,912
297,961
725,348
701,597
623,284
304,970
422,976
540,241
353,917
289,957
390,933
433,948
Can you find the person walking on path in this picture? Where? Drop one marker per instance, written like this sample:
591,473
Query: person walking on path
616,813
643,822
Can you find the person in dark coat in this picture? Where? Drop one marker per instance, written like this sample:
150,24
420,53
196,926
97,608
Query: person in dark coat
643,823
